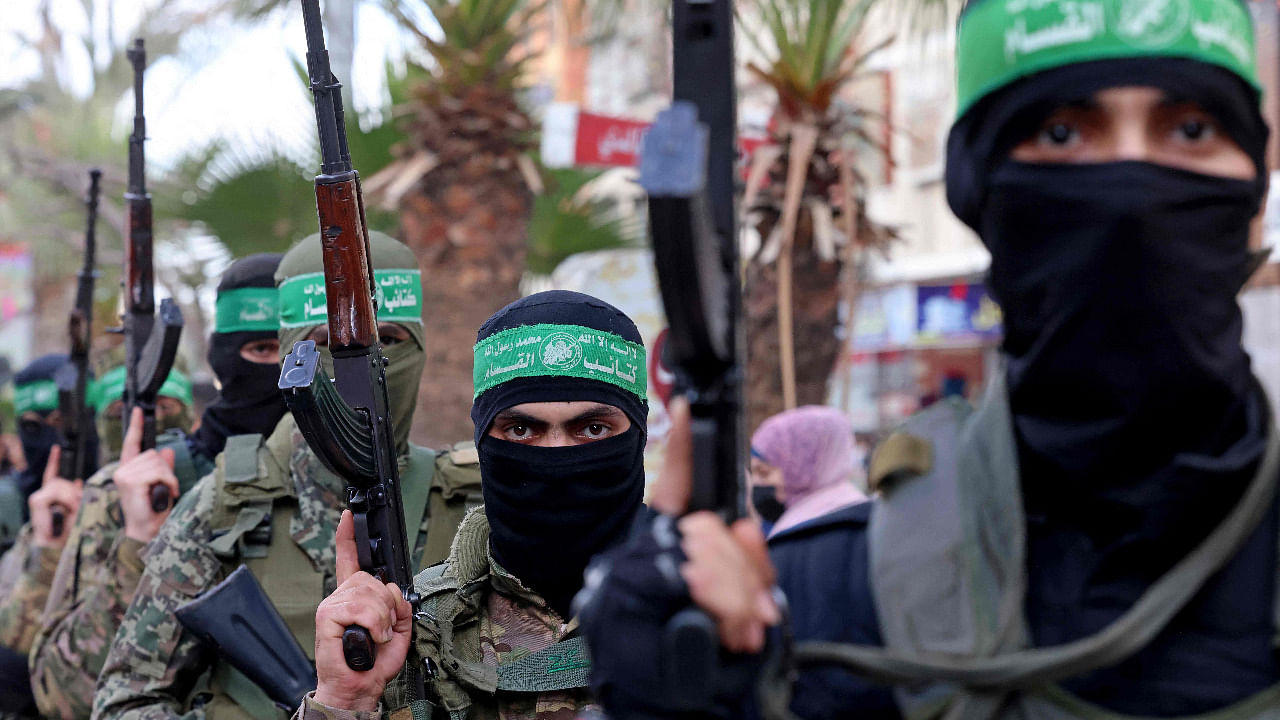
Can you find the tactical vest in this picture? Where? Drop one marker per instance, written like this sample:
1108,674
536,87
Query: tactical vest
950,600
447,644
254,507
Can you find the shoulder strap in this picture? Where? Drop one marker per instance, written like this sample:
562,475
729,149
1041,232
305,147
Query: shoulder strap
455,491
247,484
1007,667
415,489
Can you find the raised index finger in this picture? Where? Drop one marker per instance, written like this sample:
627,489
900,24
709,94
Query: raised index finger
348,562
675,484
51,467
132,444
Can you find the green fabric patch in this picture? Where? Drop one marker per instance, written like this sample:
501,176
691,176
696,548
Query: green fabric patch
399,296
1000,41
37,396
550,350
249,309
111,387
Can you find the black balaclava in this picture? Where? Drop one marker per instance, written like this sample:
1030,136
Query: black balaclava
248,400
1131,393
35,392
551,509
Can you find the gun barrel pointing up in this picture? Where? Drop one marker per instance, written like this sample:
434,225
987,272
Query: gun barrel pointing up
137,159
335,158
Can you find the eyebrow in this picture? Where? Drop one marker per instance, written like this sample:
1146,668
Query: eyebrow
515,416
599,412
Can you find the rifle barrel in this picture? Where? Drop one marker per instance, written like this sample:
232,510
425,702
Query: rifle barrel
137,160
335,158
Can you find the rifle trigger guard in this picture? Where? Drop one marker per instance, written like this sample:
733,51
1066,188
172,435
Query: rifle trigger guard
364,548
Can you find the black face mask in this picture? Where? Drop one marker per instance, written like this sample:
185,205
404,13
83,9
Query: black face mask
249,400
551,509
37,440
1118,283
1130,390
765,500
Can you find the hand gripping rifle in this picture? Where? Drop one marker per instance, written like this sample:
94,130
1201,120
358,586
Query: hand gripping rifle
346,421
150,340
72,379
686,167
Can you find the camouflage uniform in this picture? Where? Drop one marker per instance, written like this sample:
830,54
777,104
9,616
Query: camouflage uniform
96,575
25,574
95,578
488,631
156,669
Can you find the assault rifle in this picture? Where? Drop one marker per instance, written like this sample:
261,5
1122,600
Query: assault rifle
77,460
237,619
686,167
346,420
150,340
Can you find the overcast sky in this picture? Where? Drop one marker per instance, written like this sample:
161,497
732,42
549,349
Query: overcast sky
228,81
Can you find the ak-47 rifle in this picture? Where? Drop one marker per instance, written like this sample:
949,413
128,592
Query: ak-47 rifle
346,421
686,166
77,461
150,340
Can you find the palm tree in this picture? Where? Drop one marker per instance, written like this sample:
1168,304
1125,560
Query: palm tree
464,185
52,135
805,196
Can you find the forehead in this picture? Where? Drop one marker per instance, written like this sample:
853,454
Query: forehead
1132,97
559,412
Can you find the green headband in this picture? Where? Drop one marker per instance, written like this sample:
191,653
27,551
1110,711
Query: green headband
247,309
302,298
111,387
1001,41
559,351
37,396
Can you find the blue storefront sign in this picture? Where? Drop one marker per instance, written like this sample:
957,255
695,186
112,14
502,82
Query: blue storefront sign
956,312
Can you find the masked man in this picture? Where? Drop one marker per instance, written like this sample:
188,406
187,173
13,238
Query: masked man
1099,538
26,569
96,579
560,414
272,506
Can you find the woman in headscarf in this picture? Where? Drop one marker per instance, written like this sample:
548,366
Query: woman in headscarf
803,465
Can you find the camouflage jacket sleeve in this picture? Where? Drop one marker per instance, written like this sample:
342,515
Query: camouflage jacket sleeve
32,568
12,559
153,664
97,574
312,710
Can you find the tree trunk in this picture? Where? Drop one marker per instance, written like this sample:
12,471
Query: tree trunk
815,302
467,226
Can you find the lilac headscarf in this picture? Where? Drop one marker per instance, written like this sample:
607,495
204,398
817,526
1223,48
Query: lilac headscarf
813,447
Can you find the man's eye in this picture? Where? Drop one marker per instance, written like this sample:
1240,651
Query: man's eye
1059,134
389,340
518,431
1195,129
596,430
